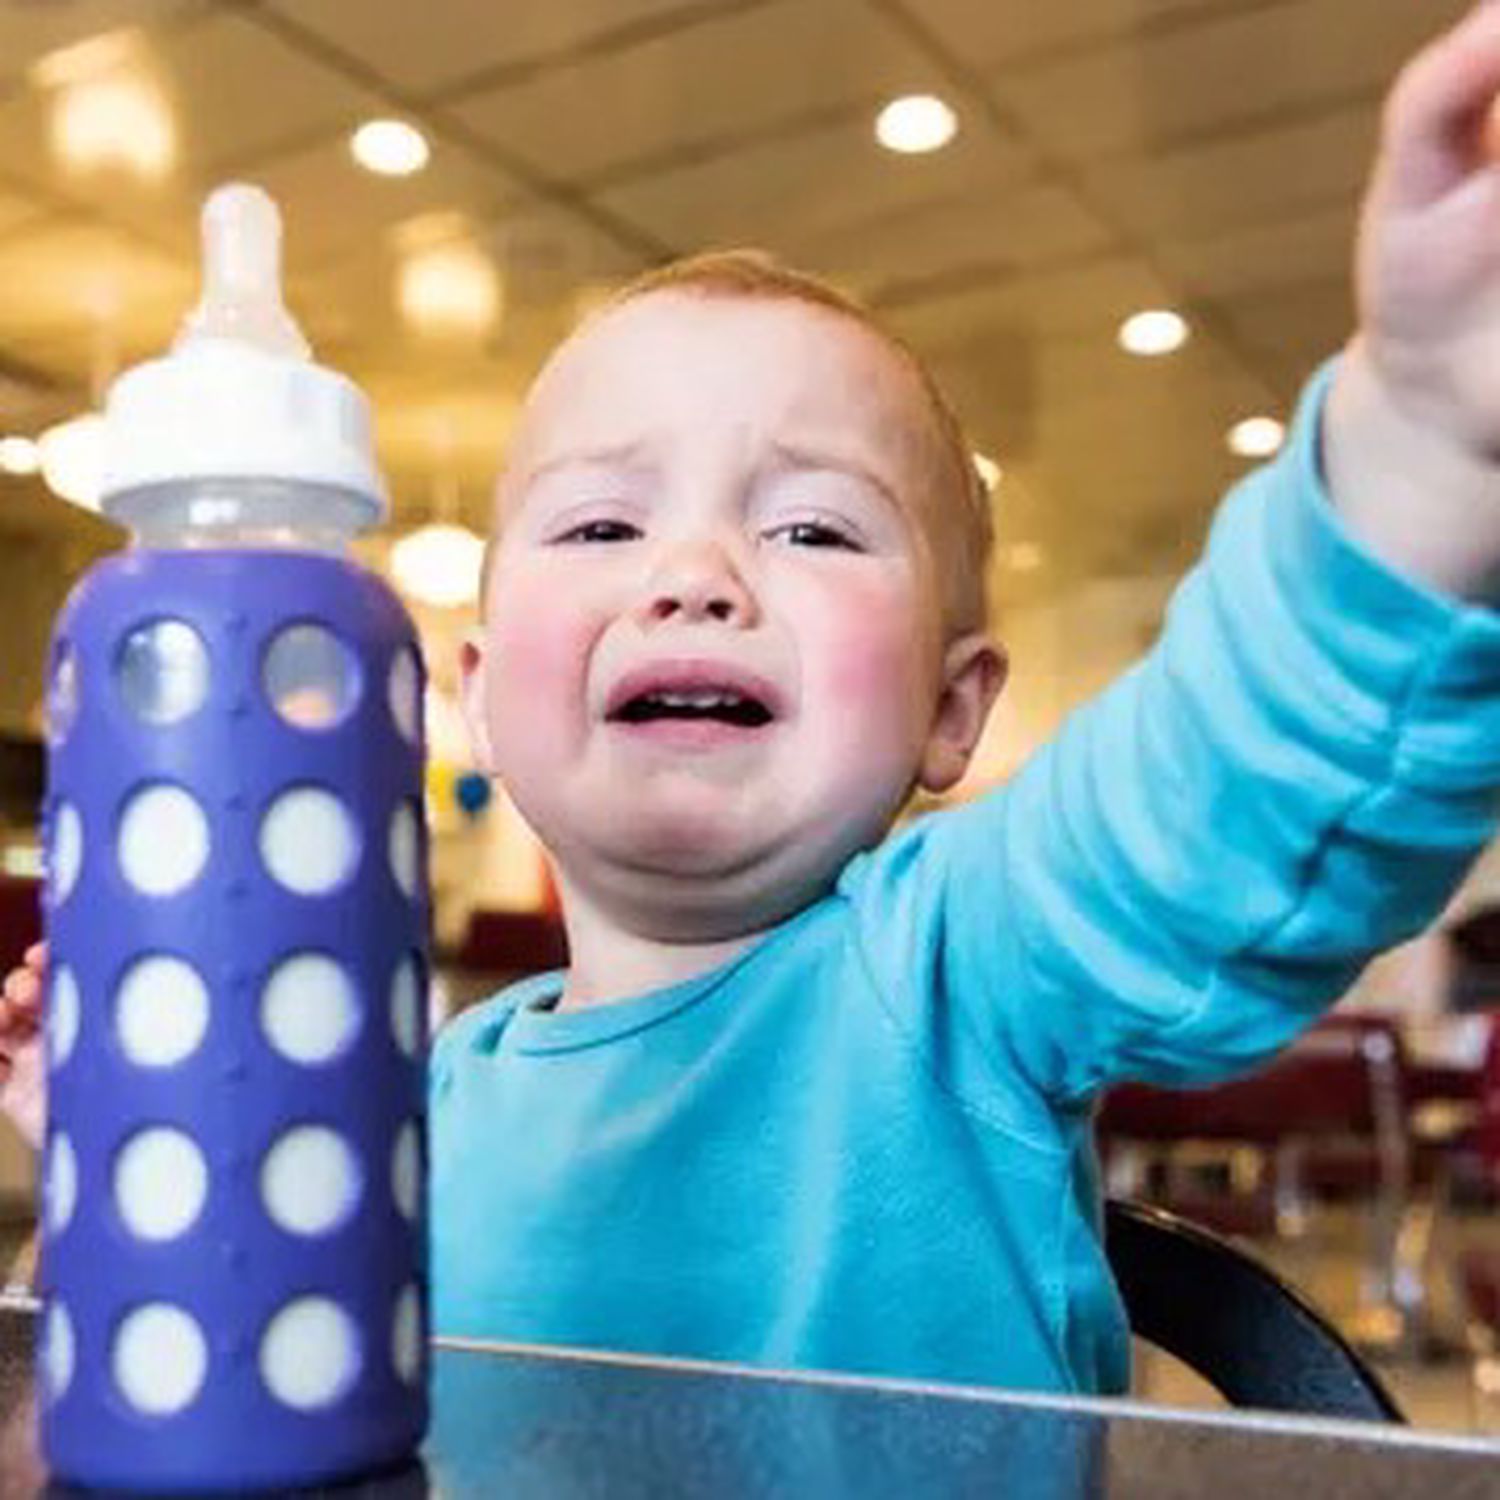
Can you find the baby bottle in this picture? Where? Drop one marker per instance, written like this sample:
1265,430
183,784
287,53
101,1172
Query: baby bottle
233,1233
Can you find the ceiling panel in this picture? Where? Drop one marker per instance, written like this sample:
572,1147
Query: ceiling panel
985,34
1272,173
1319,244
551,265
86,288
1207,151
30,31
1299,325
333,208
400,41
1247,65
897,252
732,78
813,185
1084,299
230,94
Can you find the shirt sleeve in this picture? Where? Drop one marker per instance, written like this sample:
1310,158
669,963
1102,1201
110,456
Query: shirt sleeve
1294,778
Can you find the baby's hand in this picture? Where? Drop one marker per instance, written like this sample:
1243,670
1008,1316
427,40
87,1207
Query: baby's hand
1429,261
23,1073
1413,433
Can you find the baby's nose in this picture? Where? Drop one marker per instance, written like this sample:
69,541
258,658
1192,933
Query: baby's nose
696,582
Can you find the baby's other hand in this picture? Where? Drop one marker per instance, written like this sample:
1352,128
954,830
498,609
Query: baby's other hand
22,1069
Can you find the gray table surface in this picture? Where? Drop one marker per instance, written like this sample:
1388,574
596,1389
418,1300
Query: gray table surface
516,1422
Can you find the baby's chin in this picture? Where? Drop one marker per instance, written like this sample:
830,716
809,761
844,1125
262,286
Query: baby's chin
705,878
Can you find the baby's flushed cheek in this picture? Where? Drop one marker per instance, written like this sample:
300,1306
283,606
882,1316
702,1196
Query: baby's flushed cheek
871,665
537,658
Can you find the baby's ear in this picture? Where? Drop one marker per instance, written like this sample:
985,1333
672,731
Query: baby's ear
472,699
974,672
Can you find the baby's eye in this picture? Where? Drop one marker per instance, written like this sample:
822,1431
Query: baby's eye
600,531
814,534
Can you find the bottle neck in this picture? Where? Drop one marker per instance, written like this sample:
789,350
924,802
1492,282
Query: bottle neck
203,514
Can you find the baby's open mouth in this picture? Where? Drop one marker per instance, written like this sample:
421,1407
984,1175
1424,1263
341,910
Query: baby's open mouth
724,705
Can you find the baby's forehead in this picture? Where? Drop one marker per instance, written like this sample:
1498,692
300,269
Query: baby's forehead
684,361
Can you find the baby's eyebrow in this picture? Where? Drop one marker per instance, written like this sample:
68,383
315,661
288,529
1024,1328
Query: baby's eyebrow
616,455
793,456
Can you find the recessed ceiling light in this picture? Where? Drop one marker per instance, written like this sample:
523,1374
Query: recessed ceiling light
439,564
390,147
1158,330
72,455
450,289
915,123
990,473
1256,437
19,455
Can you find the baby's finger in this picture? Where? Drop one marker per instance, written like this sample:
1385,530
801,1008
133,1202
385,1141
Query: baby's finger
35,957
22,987
1435,115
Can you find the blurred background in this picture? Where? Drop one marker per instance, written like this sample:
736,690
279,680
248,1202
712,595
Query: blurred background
1118,230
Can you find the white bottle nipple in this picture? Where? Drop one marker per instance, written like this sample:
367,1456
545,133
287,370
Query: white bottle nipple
239,396
242,276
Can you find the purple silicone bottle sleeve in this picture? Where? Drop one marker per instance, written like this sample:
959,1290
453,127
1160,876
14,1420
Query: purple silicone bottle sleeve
233,1264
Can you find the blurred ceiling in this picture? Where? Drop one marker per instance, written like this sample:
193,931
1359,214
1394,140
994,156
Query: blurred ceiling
1113,155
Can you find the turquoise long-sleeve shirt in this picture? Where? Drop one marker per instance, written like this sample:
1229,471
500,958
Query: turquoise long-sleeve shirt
865,1144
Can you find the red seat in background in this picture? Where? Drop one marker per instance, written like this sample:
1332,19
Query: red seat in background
1479,1267
1338,1096
498,948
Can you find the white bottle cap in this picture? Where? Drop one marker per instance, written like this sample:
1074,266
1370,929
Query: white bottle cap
238,397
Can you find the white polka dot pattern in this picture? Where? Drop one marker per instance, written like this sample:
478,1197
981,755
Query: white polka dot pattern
160,1359
405,850
402,692
406,1171
406,1001
309,1354
160,1183
67,852
162,671
61,1185
64,1013
406,1335
163,840
59,1351
308,841
161,1011
309,1180
308,1010
310,677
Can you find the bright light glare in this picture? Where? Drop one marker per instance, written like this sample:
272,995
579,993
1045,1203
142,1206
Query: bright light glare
915,123
72,456
390,147
19,455
439,565
120,123
990,473
106,108
1156,331
449,289
1256,437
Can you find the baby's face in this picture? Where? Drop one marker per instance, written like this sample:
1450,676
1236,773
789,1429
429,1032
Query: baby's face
713,646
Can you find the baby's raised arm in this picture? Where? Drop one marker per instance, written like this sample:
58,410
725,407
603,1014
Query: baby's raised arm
1301,771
